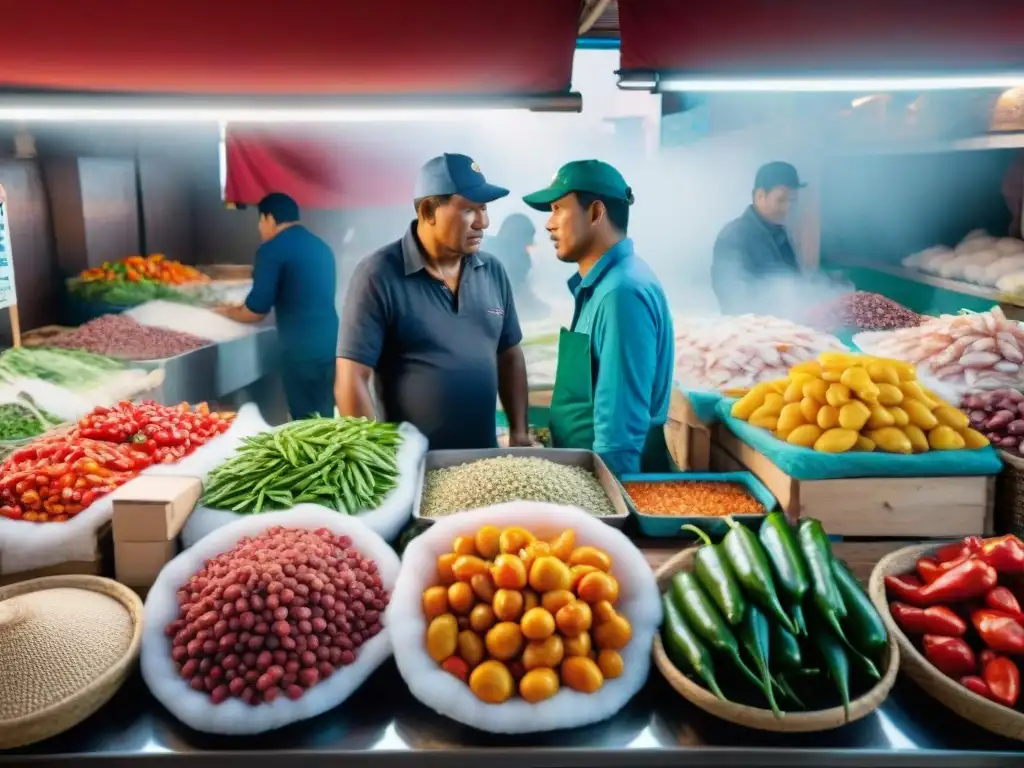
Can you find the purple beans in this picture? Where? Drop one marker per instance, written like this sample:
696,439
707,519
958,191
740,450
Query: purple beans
123,337
864,310
999,415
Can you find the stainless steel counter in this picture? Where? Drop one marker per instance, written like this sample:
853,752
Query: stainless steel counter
383,725
230,373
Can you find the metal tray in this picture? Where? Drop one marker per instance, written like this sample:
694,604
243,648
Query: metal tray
566,456
662,526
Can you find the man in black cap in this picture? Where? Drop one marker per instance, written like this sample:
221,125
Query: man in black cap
755,249
431,319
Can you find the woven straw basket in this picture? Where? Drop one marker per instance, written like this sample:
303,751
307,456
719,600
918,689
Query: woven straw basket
970,706
755,717
96,690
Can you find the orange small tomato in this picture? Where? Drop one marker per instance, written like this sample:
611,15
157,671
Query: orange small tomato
461,598
464,545
574,618
508,572
435,602
487,542
466,567
562,546
513,539
444,568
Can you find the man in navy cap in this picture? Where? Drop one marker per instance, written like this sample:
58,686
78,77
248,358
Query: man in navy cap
754,251
431,321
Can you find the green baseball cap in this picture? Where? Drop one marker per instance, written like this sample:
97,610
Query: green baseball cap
591,176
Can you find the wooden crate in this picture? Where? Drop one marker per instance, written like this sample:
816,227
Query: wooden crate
874,507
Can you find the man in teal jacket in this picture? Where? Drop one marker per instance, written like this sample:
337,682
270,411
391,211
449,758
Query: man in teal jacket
615,361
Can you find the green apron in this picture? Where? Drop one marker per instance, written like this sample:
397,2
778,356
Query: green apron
571,414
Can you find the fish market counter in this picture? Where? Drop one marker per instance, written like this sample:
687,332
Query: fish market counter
382,724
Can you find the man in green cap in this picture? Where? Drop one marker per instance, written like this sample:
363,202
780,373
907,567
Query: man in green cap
615,361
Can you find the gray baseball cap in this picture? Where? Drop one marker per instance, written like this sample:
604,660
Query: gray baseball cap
450,174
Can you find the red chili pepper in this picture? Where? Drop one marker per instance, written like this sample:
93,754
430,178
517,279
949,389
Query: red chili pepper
1004,553
1002,599
903,585
929,569
958,549
975,684
999,631
968,580
934,620
951,655
1003,679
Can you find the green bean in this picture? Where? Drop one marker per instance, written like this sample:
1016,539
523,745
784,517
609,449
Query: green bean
346,464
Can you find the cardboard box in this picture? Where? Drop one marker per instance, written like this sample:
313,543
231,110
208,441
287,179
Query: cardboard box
154,509
137,563
687,438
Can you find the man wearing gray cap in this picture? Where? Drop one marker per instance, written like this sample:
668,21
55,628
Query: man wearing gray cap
430,319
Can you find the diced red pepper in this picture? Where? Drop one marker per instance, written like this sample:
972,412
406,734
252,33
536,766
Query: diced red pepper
977,685
1002,599
929,569
951,655
999,631
934,620
1003,679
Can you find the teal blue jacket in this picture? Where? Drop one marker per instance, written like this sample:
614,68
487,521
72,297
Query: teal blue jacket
620,304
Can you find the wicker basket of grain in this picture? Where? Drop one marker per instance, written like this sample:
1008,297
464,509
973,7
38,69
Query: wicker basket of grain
970,706
67,644
755,717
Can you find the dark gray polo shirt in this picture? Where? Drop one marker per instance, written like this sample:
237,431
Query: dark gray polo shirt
435,354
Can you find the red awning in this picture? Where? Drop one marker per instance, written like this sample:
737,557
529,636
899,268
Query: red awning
352,165
344,167
383,47
816,37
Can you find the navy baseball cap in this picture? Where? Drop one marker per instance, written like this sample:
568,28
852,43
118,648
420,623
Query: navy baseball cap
456,175
777,174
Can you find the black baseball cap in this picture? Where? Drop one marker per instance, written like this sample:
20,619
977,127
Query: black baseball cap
450,174
777,174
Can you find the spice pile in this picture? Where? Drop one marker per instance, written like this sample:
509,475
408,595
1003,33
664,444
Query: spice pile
843,402
515,613
346,464
999,415
511,478
69,368
20,422
727,353
122,337
782,597
55,478
196,321
276,615
864,310
692,498
967,584
975,350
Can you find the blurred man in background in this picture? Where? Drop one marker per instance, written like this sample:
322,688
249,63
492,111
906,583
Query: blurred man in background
754,251
615,361
294,275
432,319
513,247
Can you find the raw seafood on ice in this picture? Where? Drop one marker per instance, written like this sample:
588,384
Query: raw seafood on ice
724,353
983,350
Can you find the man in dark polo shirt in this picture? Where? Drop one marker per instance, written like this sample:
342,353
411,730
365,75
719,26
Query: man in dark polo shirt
294,275
754,251
431,319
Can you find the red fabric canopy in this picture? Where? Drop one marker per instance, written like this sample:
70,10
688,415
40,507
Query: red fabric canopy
810,37
298,47
345,167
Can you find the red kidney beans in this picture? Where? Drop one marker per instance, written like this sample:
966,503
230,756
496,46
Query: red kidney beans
123,337
275,615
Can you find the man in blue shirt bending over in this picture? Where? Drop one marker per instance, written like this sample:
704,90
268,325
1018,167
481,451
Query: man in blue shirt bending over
294,275
615,361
